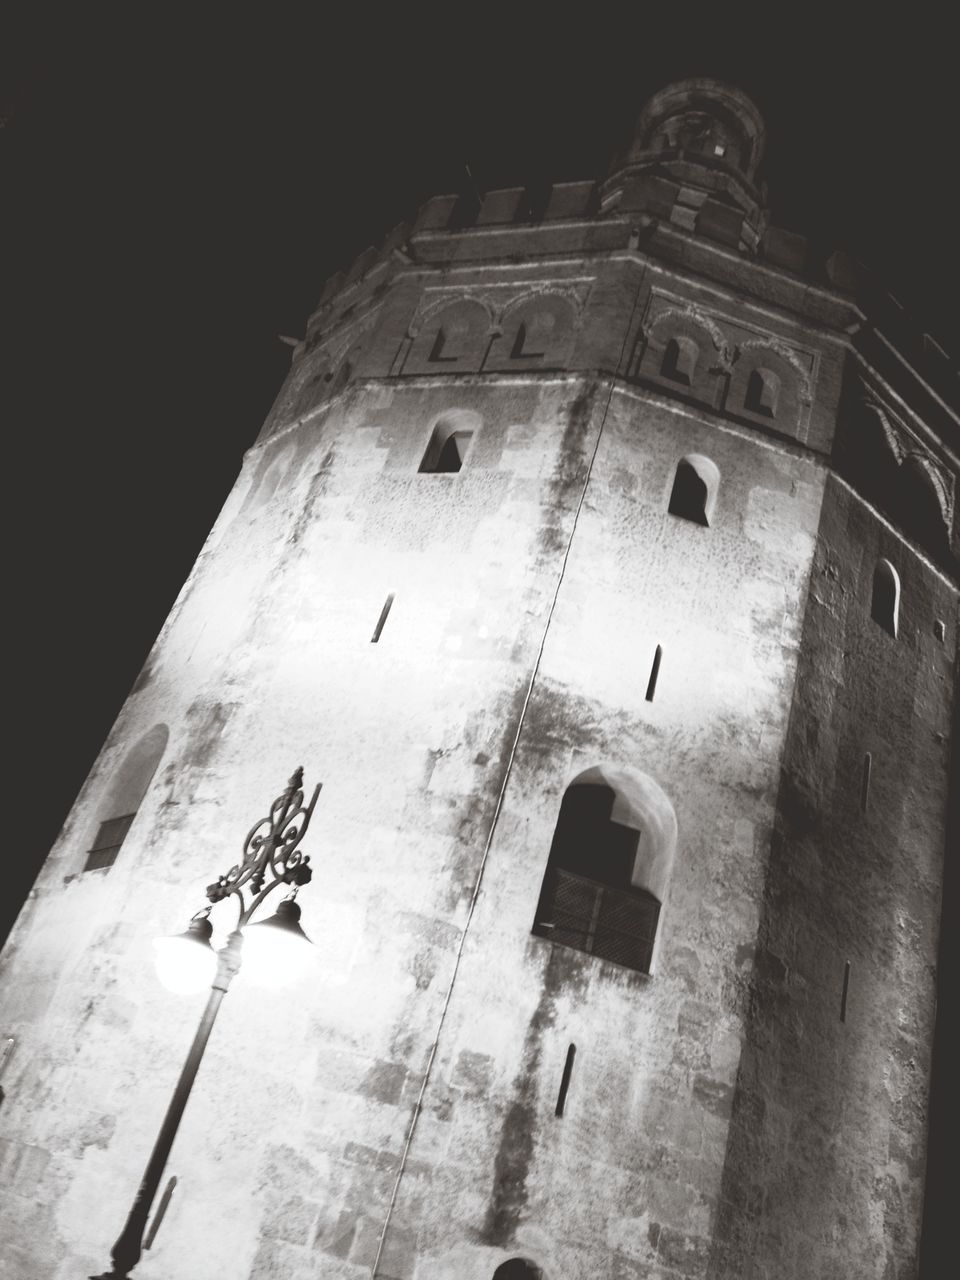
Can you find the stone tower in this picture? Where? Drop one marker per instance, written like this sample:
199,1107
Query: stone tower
599,555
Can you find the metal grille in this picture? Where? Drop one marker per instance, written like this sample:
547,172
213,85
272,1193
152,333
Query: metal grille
614,924
109,839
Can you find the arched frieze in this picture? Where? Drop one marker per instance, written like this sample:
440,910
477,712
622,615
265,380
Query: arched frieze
753,352
679,319
499,299
769,384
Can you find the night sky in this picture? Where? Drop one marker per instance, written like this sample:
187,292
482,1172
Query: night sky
177,190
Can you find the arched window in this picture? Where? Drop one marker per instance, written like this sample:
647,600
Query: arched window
124,796
518,1269
694,492
763,390
608,867
885,604
449,442
679,363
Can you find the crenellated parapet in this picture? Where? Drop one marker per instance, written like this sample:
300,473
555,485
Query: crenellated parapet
666,274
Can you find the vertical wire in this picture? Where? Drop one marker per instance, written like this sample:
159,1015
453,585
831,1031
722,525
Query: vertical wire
418,1105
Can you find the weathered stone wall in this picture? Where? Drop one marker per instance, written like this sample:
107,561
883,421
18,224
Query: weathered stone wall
721,1119
267,662
827,1147
629,1178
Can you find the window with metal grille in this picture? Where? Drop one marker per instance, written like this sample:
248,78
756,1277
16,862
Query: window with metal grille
589,900
614,924
106,846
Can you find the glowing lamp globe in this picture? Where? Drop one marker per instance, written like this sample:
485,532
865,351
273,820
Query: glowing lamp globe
186,963
276,952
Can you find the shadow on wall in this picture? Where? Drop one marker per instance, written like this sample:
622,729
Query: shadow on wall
123,797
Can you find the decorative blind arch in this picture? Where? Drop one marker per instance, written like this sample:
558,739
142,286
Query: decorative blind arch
124,797
537,331
452,339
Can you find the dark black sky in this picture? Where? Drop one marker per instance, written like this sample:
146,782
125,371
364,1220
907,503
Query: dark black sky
177,189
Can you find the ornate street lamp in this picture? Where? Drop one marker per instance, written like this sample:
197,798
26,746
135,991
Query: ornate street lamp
271,857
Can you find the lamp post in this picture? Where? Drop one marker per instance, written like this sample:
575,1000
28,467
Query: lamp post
271,857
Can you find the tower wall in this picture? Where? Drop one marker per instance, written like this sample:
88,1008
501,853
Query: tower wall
396,1111
827,1146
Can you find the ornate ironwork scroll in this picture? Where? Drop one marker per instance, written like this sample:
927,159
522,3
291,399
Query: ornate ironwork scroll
271,855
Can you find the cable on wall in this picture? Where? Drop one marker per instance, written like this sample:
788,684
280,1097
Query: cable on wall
418,1106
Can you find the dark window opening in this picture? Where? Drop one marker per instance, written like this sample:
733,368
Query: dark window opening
654,674
565,1080
680,360
446,450
387,605
884,604
588,900
108,842
688,498
518,1269
763,388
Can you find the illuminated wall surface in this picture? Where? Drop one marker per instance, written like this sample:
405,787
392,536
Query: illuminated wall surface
772,796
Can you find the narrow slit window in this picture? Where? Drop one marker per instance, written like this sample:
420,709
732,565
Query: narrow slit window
865,782
384,613
162,1208
654,674
109,839
885,601
565,1080
844,992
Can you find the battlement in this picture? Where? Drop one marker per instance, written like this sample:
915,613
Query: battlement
567,218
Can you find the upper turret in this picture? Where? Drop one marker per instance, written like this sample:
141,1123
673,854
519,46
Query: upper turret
707,138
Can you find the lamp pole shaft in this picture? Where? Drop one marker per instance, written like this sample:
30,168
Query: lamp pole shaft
127,1251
